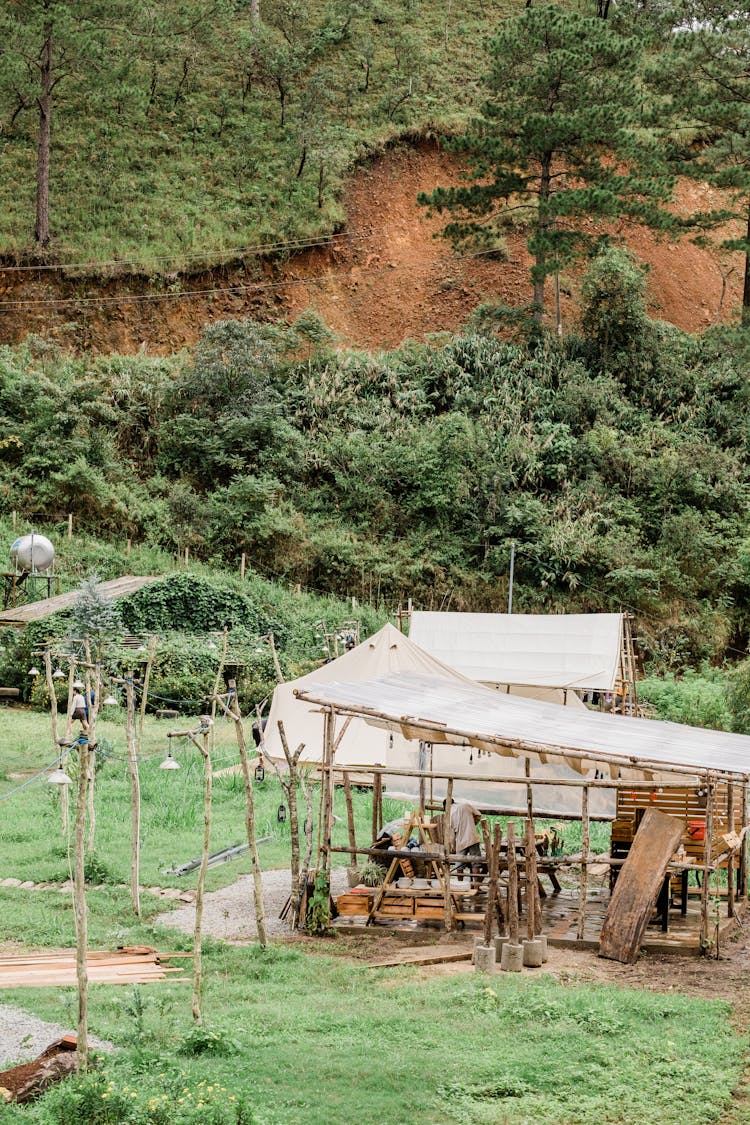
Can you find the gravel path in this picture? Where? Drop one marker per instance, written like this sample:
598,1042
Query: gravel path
23,1036
229,914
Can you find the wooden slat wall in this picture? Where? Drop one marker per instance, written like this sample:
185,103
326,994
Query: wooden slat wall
685,804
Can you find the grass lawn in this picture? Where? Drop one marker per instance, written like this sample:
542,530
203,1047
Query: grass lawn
321,1040
295,1036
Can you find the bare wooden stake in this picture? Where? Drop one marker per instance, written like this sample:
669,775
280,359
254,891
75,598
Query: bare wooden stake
80,909
135,794
705,888
128,547
585,846
530,873
289,786
70,525
743,847
529,792
512,885
275,658
377,786
242,565
204,747
732,855
447,841
350,817
260,917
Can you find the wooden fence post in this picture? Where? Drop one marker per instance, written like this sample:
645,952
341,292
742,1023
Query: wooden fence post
512,885
584,861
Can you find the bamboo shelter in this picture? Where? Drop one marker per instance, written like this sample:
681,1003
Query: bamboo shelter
637,759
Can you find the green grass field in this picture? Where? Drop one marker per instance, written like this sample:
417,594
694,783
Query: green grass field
299,1035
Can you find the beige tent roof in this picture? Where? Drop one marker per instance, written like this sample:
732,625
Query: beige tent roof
390,653
565,650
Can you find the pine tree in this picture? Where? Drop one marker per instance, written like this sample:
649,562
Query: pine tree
705,74
559,140
93,616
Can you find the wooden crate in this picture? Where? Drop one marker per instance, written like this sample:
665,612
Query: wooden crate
354,904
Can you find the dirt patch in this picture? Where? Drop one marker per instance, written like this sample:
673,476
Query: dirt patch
385,278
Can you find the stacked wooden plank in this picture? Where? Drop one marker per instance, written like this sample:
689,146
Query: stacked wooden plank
130,965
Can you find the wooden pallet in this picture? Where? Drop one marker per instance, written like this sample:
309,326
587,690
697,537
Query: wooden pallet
130,965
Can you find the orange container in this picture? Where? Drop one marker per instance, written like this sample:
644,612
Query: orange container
697,829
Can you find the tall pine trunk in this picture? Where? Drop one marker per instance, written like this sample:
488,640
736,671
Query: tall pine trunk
41,230
540,255
746,286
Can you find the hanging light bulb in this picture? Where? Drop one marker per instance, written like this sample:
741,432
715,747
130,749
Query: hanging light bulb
110,701
59,777
58,674
33,671
169,763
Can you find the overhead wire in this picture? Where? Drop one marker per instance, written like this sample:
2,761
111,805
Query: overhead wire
29,780
250,287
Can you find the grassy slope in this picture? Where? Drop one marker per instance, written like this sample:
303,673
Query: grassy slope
199,172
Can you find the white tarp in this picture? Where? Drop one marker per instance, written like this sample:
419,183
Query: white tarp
430,708
362,744
564,650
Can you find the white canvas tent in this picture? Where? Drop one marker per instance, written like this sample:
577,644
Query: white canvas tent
563,651
390,653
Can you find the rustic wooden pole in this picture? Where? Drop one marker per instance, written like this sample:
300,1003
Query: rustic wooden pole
80,909
705,889
743,848
152,645
70,525
128,547
350,817
135,795
275,658
732,856
324,857
93,695
446,866
585,845
529,792
56,735
289,787
260,917
377,787
530,888
204,747
512,885
15,518
242,565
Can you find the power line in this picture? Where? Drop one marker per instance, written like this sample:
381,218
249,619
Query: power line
10,793
252,287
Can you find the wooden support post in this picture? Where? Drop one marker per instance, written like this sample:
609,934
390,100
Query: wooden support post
93,697
14,515
56,736
324,858
128,547
732,856
705,889
80,908
350,818
242,565
530,878
135,794
260,918
204,747
448,836
377,789
585,845
743,848
512,885
187,555
529,791
70,525
289,786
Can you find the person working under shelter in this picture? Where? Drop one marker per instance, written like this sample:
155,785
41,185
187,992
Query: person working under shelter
464,838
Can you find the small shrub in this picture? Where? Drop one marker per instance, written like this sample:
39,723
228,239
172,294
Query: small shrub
203,1040
371,873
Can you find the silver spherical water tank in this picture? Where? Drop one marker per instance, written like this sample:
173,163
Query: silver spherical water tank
32,553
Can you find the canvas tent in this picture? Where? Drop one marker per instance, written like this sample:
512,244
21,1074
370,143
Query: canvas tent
556,651
390,653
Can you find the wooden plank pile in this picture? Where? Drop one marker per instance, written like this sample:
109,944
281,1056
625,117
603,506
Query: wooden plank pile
129,965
